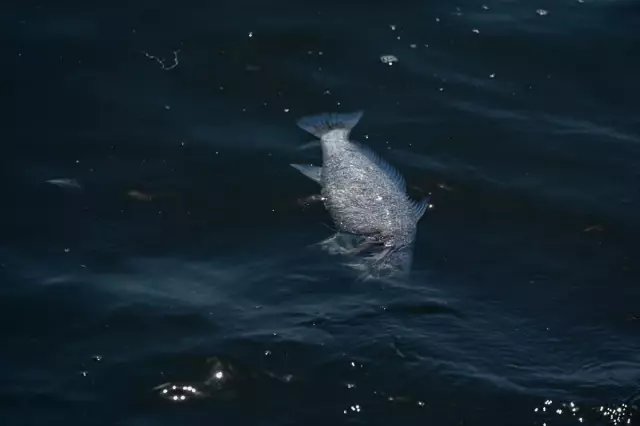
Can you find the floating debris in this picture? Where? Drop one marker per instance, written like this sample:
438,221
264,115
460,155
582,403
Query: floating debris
162,61
140,196
445,187
65,183
388,59
542,12
593,228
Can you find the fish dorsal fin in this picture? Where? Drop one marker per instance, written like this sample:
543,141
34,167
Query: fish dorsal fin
330,126
312,172
393,173
420,207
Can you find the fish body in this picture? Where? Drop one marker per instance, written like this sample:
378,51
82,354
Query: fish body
364,194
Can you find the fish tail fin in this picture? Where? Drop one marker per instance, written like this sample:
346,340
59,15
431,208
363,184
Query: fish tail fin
330,126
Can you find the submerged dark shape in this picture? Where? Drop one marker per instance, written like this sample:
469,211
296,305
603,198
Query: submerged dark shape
365,196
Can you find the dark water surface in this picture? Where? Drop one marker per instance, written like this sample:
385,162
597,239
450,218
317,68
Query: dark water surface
180,284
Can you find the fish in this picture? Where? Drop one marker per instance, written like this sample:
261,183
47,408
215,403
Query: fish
364,194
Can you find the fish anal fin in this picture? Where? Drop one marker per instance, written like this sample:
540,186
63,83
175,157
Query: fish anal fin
420,207
312,172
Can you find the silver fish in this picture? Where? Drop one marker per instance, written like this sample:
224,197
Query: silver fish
364,194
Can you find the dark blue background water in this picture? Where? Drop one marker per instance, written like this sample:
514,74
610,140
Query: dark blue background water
524,125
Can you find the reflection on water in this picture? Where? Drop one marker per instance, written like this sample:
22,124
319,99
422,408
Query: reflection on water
568,413
224,381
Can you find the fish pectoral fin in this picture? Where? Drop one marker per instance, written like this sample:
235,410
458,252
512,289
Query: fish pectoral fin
379,256
311,199
339,243
312,172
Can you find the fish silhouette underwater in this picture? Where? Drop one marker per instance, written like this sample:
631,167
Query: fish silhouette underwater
365,196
